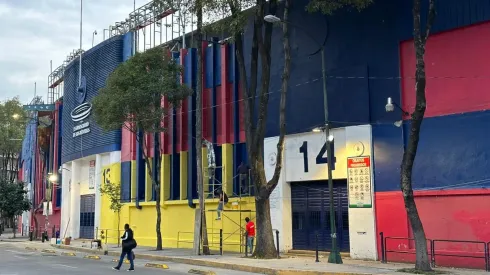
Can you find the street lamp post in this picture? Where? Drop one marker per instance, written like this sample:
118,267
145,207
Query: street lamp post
334,256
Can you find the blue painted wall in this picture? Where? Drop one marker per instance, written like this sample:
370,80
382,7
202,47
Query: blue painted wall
363,69
97,64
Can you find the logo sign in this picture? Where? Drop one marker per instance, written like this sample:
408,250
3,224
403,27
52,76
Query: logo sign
39,107
359,182
82,111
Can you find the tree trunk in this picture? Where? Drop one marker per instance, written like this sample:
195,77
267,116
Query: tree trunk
200,180
14,226
422,258
265,248
157,187
118,227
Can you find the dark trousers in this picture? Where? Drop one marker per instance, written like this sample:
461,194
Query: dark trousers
244,185
129,255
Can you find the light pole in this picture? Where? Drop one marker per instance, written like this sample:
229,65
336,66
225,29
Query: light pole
334,256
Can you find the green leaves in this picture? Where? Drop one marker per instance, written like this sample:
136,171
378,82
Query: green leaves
13,198
113,191
133,93
330,6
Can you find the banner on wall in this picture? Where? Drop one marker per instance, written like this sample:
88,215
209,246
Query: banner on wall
359,182
91,175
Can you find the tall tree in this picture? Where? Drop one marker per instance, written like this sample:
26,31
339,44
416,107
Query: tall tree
12,130
132,98
13,200
420,37
256,92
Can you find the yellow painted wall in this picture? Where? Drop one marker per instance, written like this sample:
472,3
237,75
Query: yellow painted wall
108,219
177,216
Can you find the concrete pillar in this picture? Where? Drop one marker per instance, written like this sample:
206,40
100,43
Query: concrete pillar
75,200
65,201
98,180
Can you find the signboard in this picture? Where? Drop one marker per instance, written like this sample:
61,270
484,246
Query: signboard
359,182
305,156
39,107
91,175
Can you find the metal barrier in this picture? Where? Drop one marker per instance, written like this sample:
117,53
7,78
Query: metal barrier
211,244
433,249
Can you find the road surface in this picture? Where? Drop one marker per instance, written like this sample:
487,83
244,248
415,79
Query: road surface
15,260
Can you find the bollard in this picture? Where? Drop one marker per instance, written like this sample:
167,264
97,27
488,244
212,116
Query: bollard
316,252
221,242
31,236
381,236
246,247
277,243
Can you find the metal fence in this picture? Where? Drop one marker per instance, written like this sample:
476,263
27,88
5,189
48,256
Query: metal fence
435,250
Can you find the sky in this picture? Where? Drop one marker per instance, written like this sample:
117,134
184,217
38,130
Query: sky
33,32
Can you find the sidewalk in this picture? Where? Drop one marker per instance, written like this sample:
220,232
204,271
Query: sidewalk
284,266
9,237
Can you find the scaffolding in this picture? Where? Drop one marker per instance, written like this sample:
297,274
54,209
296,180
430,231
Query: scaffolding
56,77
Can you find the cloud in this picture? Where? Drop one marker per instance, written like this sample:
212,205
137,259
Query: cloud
33,32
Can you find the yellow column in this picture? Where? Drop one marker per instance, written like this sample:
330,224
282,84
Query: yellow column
148,185
227,170
165,178
205,173
133,181
183,175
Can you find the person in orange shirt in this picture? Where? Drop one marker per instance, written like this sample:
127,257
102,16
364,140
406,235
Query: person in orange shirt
250,234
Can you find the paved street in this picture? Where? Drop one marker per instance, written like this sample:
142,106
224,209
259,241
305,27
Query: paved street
15,260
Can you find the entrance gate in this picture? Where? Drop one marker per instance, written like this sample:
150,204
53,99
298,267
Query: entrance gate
87,216
311,215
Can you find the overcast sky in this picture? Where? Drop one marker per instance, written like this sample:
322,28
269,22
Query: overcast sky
33,32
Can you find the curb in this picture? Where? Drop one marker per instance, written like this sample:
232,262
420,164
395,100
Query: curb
116,261
220,265
71,254
161,266
201,272
92,257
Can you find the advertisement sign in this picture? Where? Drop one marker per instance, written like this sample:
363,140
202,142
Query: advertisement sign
91,175
305,156
359,182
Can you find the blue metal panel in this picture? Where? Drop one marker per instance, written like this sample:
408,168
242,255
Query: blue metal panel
209,66
128,45
448,157
126,181
140,169
191,71
98,63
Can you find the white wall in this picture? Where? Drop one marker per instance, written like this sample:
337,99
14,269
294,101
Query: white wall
348,141
75,183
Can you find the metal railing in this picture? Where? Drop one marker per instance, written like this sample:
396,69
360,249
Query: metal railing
221,242
434,252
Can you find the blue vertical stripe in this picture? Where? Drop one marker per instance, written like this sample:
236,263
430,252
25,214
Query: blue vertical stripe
140,169
174,157
190,80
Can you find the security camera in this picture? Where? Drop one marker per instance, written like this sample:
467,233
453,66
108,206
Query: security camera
60,170
389,105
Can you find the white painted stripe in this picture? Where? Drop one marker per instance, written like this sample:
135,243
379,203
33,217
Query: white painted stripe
69,266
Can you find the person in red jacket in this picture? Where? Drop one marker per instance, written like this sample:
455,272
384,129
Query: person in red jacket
250,234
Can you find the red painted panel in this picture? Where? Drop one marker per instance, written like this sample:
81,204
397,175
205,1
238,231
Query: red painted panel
165,136
241,114
206,114
446,215
455,71
182,144
128,144
219,110
226,115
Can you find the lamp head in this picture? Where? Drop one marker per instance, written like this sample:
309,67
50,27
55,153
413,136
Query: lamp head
389,105
271,18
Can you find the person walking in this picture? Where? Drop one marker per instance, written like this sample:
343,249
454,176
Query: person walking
250,234
128,244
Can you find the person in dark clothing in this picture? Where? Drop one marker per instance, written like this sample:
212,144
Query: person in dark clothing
128,244
243,172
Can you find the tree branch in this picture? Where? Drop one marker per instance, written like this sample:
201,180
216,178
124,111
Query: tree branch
430,19
282,107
